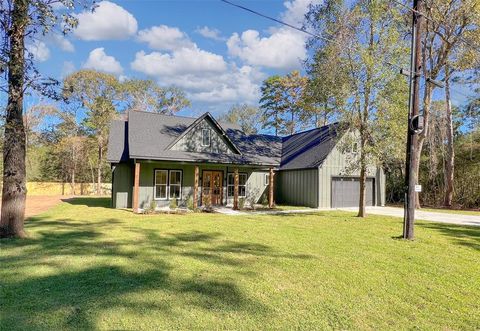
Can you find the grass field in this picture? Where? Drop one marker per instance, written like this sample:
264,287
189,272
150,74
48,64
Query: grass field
90,267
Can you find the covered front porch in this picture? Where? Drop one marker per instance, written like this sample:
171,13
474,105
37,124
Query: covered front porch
157,183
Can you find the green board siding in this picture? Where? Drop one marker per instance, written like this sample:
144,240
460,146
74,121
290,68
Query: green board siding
255,182
192,141
297,187
122,186
337,164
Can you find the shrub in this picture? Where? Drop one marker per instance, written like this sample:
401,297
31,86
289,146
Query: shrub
241,203
151,208
190,203
251,201
173,203
264,200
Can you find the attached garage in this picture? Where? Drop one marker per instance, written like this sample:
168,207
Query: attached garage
346,192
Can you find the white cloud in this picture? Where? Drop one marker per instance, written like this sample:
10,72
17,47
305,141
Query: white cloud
296,10
204,75
284,48
67,68
163,37
39,50
210,33
108,21
183,61
60,41
100,61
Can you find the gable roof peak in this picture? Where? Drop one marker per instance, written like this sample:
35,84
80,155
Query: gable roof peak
215,123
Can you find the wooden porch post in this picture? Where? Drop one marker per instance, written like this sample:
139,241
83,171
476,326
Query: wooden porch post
136,184
195,189
235,189
271,201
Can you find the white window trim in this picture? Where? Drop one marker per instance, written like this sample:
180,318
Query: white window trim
155,185
267,179
233,185
170,184
209,137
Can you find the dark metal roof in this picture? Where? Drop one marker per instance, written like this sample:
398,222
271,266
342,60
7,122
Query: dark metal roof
148,136
308,149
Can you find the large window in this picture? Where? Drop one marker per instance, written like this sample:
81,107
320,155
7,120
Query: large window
161,184
175,184
206,137
242,185
168,184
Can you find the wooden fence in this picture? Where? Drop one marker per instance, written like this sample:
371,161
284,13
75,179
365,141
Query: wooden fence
53,188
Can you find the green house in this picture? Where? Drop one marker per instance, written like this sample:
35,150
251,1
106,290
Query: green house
157,157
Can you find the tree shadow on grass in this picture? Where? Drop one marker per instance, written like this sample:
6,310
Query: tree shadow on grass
79,296
467,236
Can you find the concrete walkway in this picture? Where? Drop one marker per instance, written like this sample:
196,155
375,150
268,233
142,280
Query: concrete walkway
438,217
230,211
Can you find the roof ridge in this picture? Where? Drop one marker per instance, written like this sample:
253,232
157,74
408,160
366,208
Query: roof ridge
309,130
169,115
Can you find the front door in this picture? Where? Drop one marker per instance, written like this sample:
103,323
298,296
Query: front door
212,188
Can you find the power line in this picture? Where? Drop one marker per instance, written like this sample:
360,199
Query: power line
465,41
402,70
277,20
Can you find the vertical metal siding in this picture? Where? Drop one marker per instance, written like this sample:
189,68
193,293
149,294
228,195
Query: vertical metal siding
122,186
335,165
297,187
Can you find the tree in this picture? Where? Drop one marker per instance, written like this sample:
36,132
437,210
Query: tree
97,92
245,116
365,35
147,95
294,86
22,20
272,103
284,103
449,24
327,89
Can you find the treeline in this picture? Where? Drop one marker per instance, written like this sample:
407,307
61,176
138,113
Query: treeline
66,141
353,76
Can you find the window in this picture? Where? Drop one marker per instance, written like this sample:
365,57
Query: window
168,184
161,184
355,148
206,137
175,184
242,185
267,179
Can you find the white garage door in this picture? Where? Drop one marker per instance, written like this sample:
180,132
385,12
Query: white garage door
346,192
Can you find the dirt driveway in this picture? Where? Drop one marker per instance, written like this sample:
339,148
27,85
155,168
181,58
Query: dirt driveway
39,204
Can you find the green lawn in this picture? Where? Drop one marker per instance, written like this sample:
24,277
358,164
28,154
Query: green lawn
90,267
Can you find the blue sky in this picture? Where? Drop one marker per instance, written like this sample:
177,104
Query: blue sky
217,53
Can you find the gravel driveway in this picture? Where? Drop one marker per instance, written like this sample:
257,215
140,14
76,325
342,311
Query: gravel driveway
424,215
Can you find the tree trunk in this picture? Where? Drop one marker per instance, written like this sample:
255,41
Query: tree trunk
363,176
73,168
450,159
427,100
14,190
99,169
73,181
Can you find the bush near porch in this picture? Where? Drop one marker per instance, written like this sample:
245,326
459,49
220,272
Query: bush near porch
90,267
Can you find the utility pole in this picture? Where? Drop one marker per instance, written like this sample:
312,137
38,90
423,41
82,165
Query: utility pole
415,123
